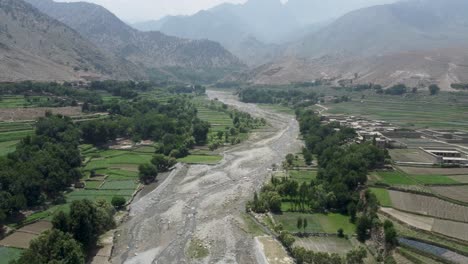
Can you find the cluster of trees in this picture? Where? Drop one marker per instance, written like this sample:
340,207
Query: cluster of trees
343,168
173,125
459,86
304,256
398,89
241,123
291,97
124,89
188,89
159,163
43,165
73,234
57,94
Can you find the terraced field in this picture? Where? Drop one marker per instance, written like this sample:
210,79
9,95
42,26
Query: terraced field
430,206
459,193
325,244
317,223
434,250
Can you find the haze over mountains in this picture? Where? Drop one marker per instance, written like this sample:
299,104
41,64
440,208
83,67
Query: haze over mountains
387,44
254,31
413,41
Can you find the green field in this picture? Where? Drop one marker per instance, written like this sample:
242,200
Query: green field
401,178
303,176
9,254
20,101
441,111
201,159
383,196
326,223
7,147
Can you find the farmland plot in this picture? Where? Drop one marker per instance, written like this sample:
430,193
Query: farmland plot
426,205
9,254
434,171
325,244
434,250
411,155
459,193
417,221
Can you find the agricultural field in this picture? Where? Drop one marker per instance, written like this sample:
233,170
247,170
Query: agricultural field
433,171
405,256
325,244
459,193
274,252
21,237
400,178
382,196
419,111
9,254
317,223
17,114
303,175
433,250
411,155
201,159
429,206
219,121
416,221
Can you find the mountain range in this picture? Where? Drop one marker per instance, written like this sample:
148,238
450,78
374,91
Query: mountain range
62,41
413,42
257,30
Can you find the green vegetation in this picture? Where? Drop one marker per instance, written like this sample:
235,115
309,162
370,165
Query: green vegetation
316,223
433,179
197,250
9,254
290,97
302,176
382,196
401,178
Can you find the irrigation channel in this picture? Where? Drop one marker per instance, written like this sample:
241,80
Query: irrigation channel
195,215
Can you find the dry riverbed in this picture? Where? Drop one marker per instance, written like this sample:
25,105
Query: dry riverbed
195,215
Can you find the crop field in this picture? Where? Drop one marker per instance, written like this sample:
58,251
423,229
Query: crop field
404,255
273,250
400,178
382,196
201,159
219,120
459,193
421,111
434,250
9,254
24,235
430,206
303,176
411,155
460,178
317,223
7,147
433,171
325,244
16,114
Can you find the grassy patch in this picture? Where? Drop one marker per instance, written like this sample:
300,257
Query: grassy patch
201,159
252,227
7,147
197,250
303,176
383,196
434,179
395,178
9,254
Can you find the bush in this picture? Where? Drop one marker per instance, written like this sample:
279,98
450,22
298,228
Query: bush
118,202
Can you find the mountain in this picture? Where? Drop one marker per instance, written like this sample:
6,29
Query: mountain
160,54
415,42
34,46
402,26
268,23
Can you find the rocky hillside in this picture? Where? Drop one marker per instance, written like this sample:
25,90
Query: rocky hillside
415,42
34,46
153,50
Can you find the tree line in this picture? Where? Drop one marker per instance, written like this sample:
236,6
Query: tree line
288,97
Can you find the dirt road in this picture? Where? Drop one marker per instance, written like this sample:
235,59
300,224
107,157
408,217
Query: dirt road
195,215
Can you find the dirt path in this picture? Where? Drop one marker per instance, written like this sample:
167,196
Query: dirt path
194,216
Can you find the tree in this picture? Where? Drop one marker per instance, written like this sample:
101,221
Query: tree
162,162
308,158
118,202
434,89
147,173
390,234
200,131
286,239
304,224
53,246
340,232
363,227
356,256
61,222
290,159
299,223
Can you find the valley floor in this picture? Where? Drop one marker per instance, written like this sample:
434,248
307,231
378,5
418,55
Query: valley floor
195,215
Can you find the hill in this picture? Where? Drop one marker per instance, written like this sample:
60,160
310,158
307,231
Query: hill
34,46
158,53
268,24
416,42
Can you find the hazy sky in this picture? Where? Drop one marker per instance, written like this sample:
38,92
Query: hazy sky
140,10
